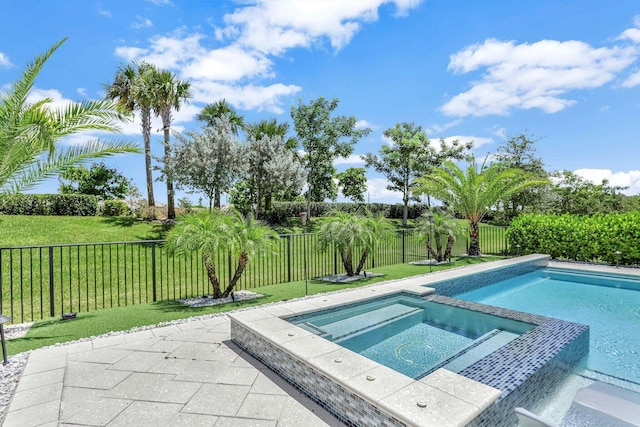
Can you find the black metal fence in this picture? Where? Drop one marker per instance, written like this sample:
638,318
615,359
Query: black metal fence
43,281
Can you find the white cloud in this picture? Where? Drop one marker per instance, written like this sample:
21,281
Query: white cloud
4,61
629,179
353,159
104,12
377,189
525,76
235,69
82,91
633,80
57,100
362,124
500,132
274,26
160,2
141,23
441,128
387,140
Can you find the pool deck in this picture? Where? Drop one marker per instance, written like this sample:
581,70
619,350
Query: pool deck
189,374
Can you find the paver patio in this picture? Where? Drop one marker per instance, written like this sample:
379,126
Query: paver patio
189,374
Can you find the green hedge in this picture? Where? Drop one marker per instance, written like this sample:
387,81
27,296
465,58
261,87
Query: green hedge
280,211
48,204
580,238
115,208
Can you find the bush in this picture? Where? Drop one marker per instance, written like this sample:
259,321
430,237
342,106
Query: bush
283,210
579,238
115,208
48,204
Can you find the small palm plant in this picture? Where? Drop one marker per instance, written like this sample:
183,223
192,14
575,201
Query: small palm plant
439,228
349,232
211,233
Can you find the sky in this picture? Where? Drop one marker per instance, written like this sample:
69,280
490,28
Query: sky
566,73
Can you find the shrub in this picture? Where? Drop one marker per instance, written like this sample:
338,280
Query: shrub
48,204
579,238
318,209
115,208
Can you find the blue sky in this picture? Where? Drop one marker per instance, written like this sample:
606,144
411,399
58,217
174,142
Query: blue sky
566,73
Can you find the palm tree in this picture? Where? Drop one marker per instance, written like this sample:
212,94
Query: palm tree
220,109
212,233
126,89
474,193
271,128
443,228
348,232
29,132
167,93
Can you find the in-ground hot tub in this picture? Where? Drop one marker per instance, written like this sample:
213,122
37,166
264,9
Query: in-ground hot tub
413,336
361,391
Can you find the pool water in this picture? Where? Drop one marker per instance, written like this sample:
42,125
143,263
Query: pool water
609,304
414,336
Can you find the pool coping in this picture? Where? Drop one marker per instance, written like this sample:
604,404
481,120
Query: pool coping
449,397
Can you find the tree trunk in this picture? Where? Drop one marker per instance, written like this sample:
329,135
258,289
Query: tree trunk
474,235
216,203
166,125
450,241
242,263
439,255
347,262
405,211
145,118
363,259
213,278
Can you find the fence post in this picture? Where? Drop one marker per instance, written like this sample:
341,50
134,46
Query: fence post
51,290
153,270
403,245
288,258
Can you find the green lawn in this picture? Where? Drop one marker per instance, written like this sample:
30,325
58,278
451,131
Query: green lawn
24,230
53,330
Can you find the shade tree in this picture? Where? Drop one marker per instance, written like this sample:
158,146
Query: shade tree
353,183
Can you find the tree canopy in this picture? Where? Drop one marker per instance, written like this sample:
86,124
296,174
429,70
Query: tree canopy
98,180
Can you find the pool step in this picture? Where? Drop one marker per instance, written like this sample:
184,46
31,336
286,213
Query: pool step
604,405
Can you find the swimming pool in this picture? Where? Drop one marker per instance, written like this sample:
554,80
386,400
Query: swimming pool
609,304
413,336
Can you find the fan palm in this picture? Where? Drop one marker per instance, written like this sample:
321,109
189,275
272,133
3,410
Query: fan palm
220,109
29,132
348,232
166,93
212,233
126,89
474,192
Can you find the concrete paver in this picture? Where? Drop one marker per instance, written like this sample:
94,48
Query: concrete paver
181,375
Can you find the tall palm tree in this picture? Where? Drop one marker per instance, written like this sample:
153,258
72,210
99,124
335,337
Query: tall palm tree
29,132
349,232
474,192
220,109
167,93
213,233
126,89
271,128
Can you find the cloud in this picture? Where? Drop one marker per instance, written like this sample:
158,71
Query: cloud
141,23
629,179
526,76
353,159
82,91
273,26
633,80
362,124
441,128
160,2
4,61
236,67
57,100
377,189
104,12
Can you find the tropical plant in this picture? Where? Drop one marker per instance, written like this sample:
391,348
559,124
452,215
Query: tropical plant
128,90
271,128
167,93
29,132
411,156
352,232
324,139
221,109
441,229
211,233
472,193
353,183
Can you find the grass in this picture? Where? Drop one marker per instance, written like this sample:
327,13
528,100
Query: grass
25,230
53,330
